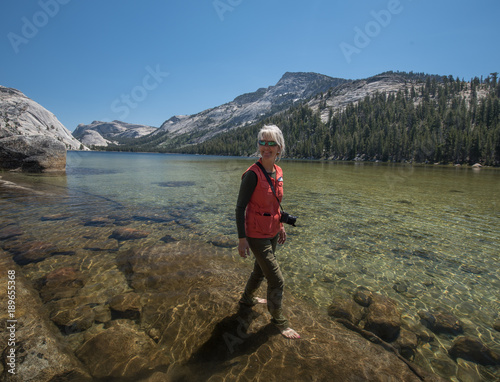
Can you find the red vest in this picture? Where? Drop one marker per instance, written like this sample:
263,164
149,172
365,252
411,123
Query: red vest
262,219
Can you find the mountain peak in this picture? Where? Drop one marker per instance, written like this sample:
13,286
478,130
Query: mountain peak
252,107
303,75
100,133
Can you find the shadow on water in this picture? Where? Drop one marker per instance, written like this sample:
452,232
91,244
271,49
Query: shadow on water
229,340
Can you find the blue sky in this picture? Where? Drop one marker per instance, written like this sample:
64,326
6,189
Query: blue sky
145,61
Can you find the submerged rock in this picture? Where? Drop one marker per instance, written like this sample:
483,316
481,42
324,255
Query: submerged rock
100,221
223,242
496,325
441,322
363,296
160,268
55,217
126,305
382,314
473,350
423,254
400,287
10,232
347,309
41,352
383,318
472,269
122,234
406,344
121,352
61,283
102,313
72,317
31,251
169,239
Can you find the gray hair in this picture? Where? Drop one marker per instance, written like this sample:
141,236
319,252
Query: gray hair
272,133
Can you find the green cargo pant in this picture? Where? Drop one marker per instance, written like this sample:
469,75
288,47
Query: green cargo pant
266,266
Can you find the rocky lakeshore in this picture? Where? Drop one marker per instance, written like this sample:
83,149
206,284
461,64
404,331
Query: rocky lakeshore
35,154
169,312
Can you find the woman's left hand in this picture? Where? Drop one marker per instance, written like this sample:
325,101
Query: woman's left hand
282,237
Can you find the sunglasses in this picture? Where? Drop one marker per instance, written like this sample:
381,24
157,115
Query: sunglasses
269,143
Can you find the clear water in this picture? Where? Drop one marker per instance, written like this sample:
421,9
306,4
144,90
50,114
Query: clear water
434,229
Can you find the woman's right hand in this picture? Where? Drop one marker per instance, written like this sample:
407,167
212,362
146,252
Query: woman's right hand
243,247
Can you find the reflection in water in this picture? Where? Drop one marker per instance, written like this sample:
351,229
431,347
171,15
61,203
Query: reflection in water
425,236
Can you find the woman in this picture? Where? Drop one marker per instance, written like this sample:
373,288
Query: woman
259,226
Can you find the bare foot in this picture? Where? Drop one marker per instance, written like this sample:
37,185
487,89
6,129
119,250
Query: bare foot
255,301
289,333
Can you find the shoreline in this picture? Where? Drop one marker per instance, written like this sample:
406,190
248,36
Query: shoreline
319,160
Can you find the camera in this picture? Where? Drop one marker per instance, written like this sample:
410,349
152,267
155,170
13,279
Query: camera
288,219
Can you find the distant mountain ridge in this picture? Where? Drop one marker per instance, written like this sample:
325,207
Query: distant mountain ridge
20,115
321,92
100,133
250,107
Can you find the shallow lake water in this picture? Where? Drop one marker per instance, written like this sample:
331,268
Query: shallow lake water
426,236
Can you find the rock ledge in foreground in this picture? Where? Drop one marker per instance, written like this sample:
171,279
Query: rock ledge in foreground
35,153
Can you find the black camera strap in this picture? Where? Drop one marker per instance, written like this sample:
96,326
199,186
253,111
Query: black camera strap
270,182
